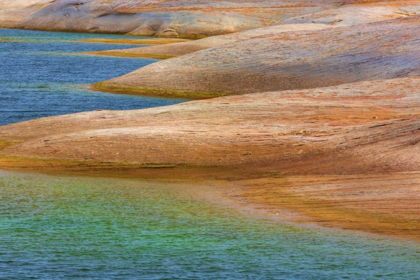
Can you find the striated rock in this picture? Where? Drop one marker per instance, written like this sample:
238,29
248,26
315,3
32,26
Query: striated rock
346,156
360,13
174,50
345,15
354,125
192,19
285,61
16,11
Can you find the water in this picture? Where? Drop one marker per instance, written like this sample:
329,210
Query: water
38,78
65,228
69,228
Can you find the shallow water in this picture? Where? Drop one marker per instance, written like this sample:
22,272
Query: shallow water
65,228
38,78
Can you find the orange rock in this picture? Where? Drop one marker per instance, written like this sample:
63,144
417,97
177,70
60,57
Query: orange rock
192,19
285,61
346,156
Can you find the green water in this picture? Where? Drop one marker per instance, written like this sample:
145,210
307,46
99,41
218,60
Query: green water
66,228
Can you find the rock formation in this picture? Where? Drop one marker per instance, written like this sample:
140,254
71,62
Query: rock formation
274,128
284,61
12,13
178,49
345,156
345,15
189,18
324,118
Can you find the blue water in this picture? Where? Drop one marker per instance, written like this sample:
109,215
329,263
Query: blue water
38,78
80,228
84,228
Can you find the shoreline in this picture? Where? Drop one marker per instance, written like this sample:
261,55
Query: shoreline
149,41
341,175
256,193
128,55
224,193
153,92
322,159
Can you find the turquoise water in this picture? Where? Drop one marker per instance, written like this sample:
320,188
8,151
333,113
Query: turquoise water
38,78
69,228
84,228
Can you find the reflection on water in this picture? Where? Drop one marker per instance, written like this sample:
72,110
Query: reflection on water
64,228
38,78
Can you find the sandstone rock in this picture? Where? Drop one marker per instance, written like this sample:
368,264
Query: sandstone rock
16,11
344,156
285,61
162,52
345,15
353,128
360,13
188,18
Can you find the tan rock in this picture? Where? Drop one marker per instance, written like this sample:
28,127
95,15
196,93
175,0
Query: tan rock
174,50
284,61
346,156
192,19
279,127
345,15
16,11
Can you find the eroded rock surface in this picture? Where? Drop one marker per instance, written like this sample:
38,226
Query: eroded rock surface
336,139
286,60
346,156
365,118
183,48
14,12
360,13
344,15
168,18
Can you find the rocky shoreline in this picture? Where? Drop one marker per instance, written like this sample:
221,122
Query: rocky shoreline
324,119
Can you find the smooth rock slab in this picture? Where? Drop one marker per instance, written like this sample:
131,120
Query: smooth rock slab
285,61
186,18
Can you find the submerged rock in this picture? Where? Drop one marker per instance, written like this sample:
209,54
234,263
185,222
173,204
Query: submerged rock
336,139
346,156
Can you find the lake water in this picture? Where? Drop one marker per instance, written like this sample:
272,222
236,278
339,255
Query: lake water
85,228
38,78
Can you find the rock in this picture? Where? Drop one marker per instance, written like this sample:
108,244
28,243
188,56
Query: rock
347,169
346,15
189,19
16,11
355,14
174,50
342,129
285,61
